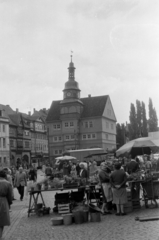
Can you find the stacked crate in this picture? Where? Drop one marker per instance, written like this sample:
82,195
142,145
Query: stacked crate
128,206
63,208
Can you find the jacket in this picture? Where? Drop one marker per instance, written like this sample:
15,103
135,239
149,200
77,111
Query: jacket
20,179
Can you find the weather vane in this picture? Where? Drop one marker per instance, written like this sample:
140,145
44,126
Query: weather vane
71,55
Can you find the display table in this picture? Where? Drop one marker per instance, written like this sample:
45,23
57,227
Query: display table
150,189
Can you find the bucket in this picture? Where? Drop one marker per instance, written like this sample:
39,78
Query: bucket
78,217
67,219
85,215
95,216
39,205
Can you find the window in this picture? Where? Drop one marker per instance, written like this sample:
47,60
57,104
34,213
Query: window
66,124
89,136
0,160
5,160
71,124
27,144
107,124
84,136
93,135
67,137
91,124
112,126
86,124
0,143
19,144
11,143
56,152
4,143
4,127
55,139
107,136
57,126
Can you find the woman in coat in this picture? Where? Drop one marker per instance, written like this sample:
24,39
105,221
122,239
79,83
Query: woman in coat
104,178
5,201
118,180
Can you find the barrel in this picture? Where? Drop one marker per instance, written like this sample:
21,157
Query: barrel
95,216
78,216
67,219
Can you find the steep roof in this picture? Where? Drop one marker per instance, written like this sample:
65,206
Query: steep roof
7,109
93,107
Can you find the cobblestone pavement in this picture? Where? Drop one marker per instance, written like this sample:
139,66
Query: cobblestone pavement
111,227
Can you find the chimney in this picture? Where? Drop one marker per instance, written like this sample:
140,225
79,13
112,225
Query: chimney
34,110
29,113
89,95
17,110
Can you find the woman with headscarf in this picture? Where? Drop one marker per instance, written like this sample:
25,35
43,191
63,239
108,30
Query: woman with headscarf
5,201
83,172
118,180
104,178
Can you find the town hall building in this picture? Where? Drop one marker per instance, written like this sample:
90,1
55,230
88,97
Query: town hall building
80,123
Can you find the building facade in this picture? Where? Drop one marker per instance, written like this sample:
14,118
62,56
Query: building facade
4,141
80,123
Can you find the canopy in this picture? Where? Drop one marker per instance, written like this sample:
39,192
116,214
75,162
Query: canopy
65,158
140,144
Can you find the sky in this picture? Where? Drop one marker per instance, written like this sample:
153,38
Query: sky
115,46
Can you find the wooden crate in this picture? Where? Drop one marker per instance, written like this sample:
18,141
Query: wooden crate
63,208
136,204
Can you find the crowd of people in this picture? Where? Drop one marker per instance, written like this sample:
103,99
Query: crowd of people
111,176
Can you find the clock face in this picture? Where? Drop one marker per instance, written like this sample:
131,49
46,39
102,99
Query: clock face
69,94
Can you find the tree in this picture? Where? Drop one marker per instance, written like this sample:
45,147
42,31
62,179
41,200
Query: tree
153,120
144,120
133,123
138,118
120,135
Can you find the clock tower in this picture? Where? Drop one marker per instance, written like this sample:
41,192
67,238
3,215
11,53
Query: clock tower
71,93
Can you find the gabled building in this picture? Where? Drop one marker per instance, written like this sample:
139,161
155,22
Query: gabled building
4,140
20,140
80,123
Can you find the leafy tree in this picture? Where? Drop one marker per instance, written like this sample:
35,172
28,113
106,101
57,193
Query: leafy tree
144,120
120,138
153,120
138,118
133,123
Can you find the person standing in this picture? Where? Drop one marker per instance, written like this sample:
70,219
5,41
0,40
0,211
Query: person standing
20,182
32,174
104,178
132,166
48,171
5,201
118,181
